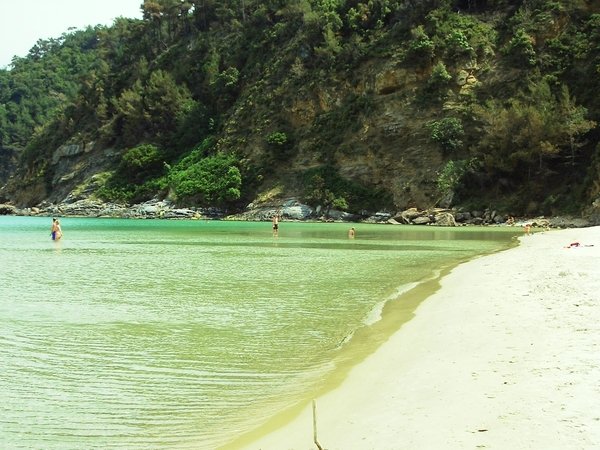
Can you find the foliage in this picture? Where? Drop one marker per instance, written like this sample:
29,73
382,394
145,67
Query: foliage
142,162
210,181
280,145
318,193
138,177
460,36
154,108
324,186
373,14
520,49
269,80
38,87
592,181
532,141
451,175
131,193
448,132
277,138
531,131
421,45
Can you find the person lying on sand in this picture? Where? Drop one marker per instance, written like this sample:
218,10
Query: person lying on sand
577,244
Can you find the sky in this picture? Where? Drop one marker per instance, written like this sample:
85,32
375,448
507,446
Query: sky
23,22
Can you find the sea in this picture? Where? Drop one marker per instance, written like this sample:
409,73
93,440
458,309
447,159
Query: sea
187,334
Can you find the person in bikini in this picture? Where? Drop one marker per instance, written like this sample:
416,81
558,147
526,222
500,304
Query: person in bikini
55,230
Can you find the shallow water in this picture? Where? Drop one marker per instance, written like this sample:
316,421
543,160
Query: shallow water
185,334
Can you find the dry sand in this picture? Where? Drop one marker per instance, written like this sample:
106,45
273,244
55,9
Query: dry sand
505,355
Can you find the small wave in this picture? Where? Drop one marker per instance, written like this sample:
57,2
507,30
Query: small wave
374,315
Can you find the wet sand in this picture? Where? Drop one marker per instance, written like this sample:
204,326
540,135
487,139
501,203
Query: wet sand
506,354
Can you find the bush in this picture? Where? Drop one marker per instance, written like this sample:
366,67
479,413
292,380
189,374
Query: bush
139,176
450,177
280,145
317,192
141,163
277,138
324,186
458,44
520,49
460,36
211,181
142,157
131,193
440,77
447,132
420,46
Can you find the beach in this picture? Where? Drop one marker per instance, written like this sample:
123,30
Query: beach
504,355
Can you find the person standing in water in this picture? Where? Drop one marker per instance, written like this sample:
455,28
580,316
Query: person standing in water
55,230
275,225
59,233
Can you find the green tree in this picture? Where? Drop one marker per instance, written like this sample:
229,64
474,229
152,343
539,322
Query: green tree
575,123
131,114
166,103
438,84
420,46
448,132
213,180
531,130
460,36
318,193
277,138
154,108
451,176
141,162
520,49
372,14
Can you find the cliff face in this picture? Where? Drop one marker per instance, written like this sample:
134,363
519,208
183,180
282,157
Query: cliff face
368,124
71,172
387,146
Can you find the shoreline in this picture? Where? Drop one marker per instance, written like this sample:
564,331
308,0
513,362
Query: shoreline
502,355
290,210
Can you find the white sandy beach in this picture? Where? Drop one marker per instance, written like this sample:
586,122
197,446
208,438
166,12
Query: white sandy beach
505,355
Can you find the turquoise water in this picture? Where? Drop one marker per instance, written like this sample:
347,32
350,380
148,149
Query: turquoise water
185,334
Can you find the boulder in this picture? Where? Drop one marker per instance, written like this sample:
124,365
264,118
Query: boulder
7,210
462,216
379,217
297,212
180,213
335,214
409,215
562,222
498,219
445,219
421,220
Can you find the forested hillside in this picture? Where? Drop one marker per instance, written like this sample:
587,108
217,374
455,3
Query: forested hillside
356,105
